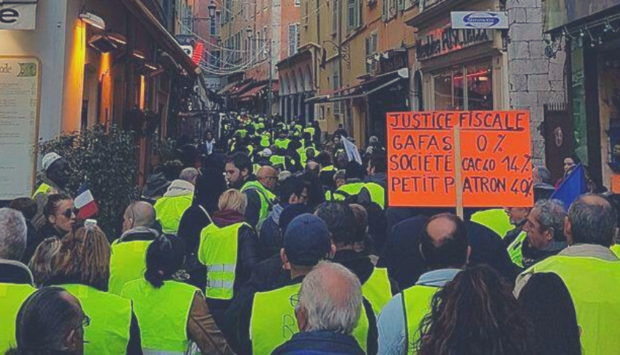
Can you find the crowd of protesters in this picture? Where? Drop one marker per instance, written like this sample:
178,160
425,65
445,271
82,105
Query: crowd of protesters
273,239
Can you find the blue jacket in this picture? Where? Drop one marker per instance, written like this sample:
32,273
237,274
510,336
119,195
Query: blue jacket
319,343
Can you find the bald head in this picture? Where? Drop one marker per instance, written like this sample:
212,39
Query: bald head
591,220
330,299
268,177
139,214
444,242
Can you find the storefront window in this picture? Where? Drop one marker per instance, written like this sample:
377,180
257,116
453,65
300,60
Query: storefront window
579,102
468,87
443,91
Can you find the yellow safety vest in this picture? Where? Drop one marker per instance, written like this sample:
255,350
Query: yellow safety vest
282,143
169,211
515,249
616,249
265,141
127,263
273,320
267,198
377,289
110,319
302,156
347,190
417,304
377,193
278,160
309,130
162,314
218,252
43,189
496,219
594,286
12,296
327,169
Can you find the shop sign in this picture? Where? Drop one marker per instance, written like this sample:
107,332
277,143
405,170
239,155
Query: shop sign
448,40
18,15
394,61
480,19
213,84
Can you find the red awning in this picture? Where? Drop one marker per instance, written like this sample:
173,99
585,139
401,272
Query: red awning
241,87
249,95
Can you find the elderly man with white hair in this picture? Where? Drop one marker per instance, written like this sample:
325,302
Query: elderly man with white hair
176,201
329,308
16,282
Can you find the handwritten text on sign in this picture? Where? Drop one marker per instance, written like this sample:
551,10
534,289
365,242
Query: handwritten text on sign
495,158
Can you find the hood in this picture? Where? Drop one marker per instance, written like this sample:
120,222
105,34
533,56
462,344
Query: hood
139,233
227,217
179,188
156,184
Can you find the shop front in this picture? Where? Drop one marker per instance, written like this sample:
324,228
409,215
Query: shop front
590,32
457,69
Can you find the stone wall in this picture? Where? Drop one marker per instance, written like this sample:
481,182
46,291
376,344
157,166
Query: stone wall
534,78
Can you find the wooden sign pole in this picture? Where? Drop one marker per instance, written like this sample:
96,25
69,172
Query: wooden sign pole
457,169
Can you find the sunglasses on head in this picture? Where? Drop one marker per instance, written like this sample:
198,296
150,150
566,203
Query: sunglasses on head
69,212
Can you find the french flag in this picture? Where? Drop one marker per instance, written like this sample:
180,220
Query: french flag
86,203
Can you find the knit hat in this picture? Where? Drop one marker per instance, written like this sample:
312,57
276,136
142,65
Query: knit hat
49,159
266,152
306,240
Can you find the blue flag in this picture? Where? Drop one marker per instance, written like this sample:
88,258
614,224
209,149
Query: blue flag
573,186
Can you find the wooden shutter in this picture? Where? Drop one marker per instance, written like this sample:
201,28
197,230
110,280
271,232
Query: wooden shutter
368,53
291,40
384,9
352,11
401,5
297,37
335,17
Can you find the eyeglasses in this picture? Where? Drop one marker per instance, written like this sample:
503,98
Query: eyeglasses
70,212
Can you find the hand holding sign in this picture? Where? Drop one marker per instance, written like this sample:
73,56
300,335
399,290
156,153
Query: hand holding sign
494,162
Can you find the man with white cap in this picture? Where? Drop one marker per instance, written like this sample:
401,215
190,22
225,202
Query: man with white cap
56,178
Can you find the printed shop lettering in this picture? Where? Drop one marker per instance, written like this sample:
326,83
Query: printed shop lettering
447,40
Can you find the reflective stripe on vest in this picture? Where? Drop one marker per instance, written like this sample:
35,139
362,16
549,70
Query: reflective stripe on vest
162,314
110,320
309,130
377,289
169,211
417,304
267,198
594,286
347,190
12,296
515,251
497,220
265,141
328,168
328,195
273,320
43,189
218,252
302,156
127,263
377,193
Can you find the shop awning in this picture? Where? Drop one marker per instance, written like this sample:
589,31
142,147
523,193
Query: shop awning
250,94
227,88
163,37
241,88
371,91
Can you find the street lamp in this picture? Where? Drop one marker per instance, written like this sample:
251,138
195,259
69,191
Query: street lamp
249,31
211,8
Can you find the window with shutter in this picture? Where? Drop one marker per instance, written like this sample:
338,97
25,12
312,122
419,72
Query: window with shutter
335,17
297,37
384,9
306,13
401,5
291,40
297,2
368,55
352,12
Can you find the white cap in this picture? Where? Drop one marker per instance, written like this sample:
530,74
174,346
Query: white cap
49,159
267,152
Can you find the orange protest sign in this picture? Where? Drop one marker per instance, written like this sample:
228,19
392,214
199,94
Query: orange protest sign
495,165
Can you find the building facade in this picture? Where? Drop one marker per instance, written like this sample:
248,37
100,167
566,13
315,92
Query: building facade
92,62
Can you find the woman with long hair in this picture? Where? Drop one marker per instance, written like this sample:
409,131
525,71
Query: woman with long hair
82,267
60,216
172,313
41,262
476,313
